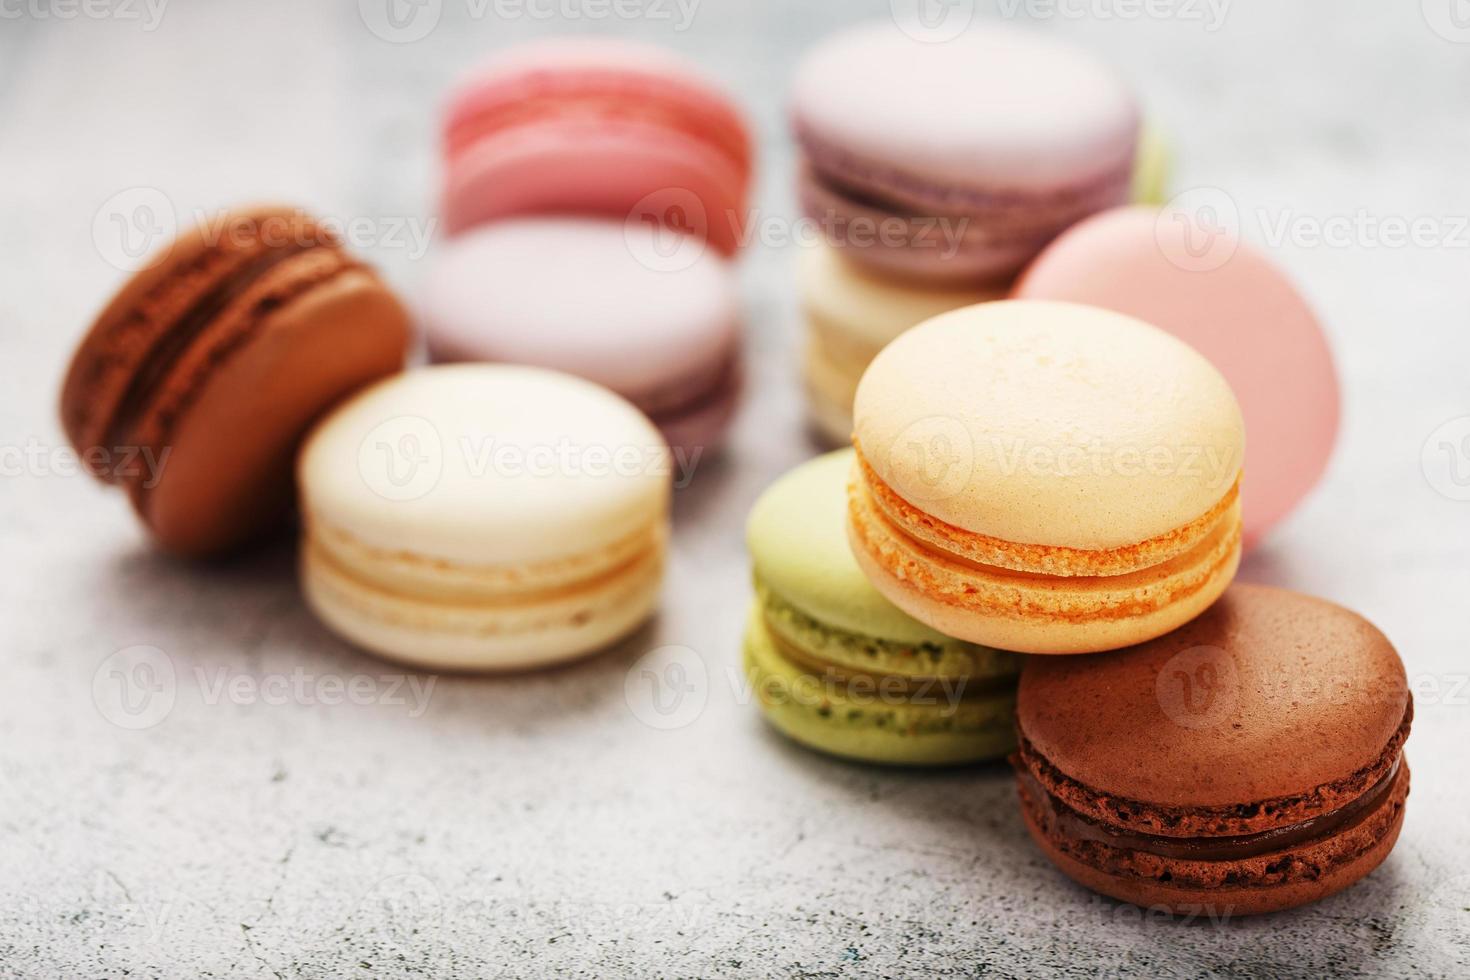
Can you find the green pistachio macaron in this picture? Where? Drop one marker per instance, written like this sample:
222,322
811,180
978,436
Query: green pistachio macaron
839,668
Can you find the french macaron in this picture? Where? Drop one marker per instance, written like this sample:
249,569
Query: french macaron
837,667
484,517
193,388
591,297
1248,762
851,314
592,125
958,161
1046,477
1234,305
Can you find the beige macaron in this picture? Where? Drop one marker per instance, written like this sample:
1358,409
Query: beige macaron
1046,477
851,314
484,517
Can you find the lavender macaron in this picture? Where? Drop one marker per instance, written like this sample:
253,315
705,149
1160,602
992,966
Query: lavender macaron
958,161
656,321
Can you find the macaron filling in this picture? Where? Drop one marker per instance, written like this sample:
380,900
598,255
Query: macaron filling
995,590
1070,824
1054,560
178,338
821,648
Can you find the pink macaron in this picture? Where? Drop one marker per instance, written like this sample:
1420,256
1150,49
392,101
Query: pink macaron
1233,305
595,297
959,160
587,125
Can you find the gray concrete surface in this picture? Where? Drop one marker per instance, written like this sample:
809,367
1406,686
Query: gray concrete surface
247,796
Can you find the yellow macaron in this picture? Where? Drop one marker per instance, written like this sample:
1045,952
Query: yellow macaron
1046,477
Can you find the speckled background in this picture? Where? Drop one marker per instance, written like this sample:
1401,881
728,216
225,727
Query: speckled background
247,796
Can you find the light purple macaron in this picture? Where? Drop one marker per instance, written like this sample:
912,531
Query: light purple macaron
958,160
656,321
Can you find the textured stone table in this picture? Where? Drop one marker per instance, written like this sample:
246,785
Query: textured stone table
268,802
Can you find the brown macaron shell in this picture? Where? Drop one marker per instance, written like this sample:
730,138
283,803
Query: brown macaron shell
215,361
1270,711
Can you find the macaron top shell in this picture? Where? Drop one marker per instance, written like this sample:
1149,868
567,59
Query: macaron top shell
874,309
997,105
574,294
1240,312
798,543
1050,424
487,465
1268,695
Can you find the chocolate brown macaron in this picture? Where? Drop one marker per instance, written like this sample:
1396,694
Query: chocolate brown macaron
1247,762
194,387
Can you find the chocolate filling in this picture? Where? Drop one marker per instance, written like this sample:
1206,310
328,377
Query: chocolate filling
171,346
1074,826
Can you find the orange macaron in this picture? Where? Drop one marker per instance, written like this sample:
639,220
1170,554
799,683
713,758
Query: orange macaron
1046,477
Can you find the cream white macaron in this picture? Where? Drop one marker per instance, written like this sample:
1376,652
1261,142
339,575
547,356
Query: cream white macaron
484,517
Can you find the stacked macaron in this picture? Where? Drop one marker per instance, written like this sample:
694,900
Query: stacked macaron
936,171
1065,481
595,193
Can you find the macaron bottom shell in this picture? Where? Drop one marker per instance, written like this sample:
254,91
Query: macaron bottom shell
867,725
453,632
1268,883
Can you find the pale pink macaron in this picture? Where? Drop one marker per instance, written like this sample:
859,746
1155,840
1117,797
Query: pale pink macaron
589,125
958,161
1232,304
600,299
